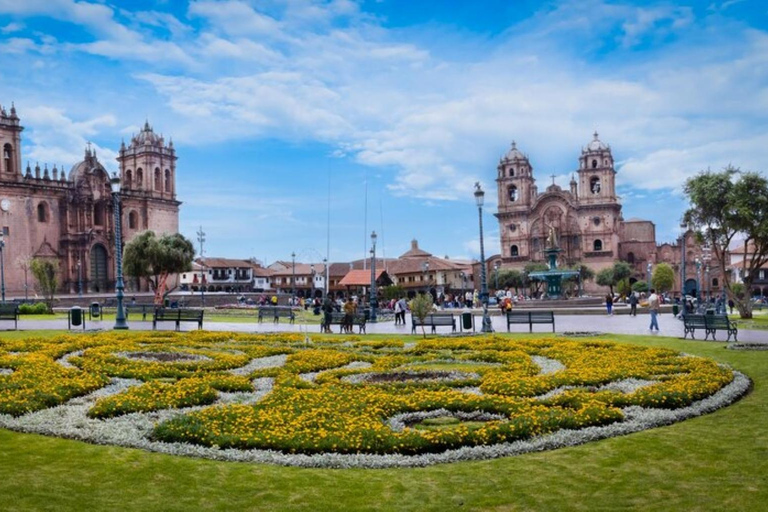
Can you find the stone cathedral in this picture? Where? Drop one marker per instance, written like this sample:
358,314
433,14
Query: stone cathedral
69,215
586,219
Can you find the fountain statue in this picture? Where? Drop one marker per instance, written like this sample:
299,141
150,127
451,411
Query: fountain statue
553,276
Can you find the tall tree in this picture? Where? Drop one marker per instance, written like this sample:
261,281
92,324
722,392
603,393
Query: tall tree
611,276
727,206
663,278
155,259
605,278
421,306
45,273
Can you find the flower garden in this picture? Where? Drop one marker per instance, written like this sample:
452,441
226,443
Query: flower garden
349,401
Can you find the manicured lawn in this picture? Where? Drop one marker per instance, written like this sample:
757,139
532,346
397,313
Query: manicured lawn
716,462
759,320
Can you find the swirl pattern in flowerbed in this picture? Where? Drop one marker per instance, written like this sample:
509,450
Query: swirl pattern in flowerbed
342,402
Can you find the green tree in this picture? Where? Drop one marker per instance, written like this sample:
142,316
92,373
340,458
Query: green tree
45,272
663,279
509,278
623,287
605,278
154,259
726,206
640,287
421,306
392,292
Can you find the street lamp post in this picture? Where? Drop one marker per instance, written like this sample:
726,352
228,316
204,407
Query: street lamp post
463,287
698,279
120,322
2,267
425,270
201,239
293,278
479,199
325,284
312,283
684,226
79,277
496,275
373,301
648,268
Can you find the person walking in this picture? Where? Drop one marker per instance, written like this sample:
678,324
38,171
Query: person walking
397,313
609,304
633,304
350,308
730,305
653,308
327,314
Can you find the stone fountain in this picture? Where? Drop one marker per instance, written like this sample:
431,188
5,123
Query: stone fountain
553,277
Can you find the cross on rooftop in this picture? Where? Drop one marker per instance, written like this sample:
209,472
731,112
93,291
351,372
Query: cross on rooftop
553,178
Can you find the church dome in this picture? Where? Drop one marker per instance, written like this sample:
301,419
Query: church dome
88,165
597,145
514,153
147,136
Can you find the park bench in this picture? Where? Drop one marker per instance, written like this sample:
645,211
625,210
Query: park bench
143,309
693,322
338,319
275,313
711,324
434,320
530,318
177,316
10,312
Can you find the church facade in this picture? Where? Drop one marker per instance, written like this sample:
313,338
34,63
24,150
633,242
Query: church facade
586,220
68,216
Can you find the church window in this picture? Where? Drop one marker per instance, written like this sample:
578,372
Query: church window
512,228
128,178
42,212
512,191
8,158
535,244
594,164
715,282
511,172
631,258
596,221
606,162
158,180
597,245
133,220
139,177
98,214
594,185
167,180
514,251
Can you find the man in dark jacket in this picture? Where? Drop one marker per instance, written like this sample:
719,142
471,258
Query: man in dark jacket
327,310
633,304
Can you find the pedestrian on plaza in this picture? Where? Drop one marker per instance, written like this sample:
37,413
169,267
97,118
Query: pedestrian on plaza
654,308
403,308
609,304
633,304
731,304
350,308
397,313
327,314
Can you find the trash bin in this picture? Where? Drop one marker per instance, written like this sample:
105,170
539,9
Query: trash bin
167,302
675,309
75,317
466,321
95,310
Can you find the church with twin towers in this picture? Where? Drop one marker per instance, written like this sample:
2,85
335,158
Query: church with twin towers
586,218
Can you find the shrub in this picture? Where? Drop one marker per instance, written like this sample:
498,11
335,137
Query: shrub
39,308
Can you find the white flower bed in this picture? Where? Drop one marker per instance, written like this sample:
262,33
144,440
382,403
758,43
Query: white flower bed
260,364
548,366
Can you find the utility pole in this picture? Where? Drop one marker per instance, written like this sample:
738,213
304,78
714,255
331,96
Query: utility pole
201,239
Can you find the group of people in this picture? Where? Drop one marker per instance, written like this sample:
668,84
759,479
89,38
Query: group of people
349,308
654,306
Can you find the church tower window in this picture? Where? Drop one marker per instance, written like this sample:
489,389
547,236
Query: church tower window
98,214
597,245
514,251
512,191
139,177
167,180
511,172
128,178
8,158
594,185
42,212
158,180
594,164
133,220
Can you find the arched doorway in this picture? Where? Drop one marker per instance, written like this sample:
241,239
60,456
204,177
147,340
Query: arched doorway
99,268
690,287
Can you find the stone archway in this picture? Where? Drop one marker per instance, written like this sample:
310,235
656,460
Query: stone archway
99,260
690,287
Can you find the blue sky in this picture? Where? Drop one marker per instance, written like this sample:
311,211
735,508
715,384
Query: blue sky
267,101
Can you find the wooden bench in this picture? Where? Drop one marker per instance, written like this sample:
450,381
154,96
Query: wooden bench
275,313
10,312
434,320
711,324
693,322
530,318
177,316
338,319
144,309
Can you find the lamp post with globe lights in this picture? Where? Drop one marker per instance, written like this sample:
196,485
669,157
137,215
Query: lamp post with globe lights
120,322
373,301
480,199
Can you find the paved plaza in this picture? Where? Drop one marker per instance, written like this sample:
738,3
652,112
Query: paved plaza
618,324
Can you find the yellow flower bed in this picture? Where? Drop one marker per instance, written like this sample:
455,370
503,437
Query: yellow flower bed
355,389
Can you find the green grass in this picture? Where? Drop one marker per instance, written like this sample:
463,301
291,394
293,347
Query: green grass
716,462
758,321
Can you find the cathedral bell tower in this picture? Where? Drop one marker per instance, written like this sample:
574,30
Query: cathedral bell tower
517,192
10,145
515,181
148,165
597,177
